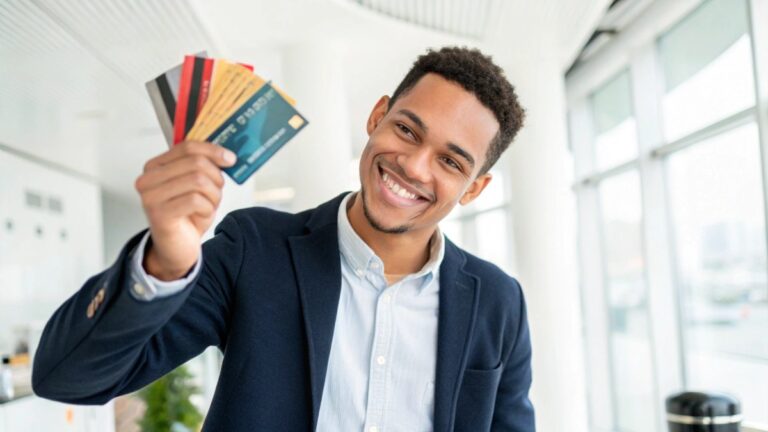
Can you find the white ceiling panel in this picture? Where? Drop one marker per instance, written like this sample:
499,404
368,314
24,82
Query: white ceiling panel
136,39
465,18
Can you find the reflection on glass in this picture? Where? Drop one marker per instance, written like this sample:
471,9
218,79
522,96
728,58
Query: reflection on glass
631,356
707,65
718,219
614,122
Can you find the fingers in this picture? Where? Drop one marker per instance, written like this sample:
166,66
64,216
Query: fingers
218,155
184,183
179,167
189,204
195,182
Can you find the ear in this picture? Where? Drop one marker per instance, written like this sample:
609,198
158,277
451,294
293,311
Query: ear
378,113
474,189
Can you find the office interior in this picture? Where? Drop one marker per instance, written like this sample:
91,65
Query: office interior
631,206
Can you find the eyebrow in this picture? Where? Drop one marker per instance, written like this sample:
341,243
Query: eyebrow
414,118
463,153
451,146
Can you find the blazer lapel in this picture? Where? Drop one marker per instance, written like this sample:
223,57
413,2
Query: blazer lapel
456,317
317,265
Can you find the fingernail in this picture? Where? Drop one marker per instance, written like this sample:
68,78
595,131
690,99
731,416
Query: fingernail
229,157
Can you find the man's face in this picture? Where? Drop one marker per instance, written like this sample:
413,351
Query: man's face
424,154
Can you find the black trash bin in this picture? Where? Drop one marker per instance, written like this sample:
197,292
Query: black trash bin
703,412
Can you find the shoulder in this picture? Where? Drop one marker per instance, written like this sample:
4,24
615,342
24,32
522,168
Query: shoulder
265,219
496,284
266,222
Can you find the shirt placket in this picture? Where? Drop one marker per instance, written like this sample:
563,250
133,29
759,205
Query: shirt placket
379,369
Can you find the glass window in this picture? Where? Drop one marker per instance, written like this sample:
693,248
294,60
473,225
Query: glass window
614,122
630,345
707,67
716,199
705,199
481,226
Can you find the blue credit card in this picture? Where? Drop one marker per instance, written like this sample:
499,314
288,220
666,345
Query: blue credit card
257,130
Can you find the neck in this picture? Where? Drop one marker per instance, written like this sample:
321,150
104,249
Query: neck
402,253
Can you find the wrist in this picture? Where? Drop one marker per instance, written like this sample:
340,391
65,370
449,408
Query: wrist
161,270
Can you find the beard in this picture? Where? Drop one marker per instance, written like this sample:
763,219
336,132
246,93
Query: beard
377,225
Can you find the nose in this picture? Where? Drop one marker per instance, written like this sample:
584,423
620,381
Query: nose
416,164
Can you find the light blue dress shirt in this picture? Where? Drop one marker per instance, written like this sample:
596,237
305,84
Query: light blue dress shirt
381,370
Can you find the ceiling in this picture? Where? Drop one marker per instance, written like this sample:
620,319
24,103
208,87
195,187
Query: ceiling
73,72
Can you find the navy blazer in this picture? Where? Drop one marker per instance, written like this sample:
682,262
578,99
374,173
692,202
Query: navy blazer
267,296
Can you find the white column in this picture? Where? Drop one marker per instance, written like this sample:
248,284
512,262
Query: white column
320,155
543,208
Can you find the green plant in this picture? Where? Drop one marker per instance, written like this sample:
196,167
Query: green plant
168,404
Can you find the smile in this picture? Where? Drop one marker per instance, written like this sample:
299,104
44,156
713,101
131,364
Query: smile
396,188
398,193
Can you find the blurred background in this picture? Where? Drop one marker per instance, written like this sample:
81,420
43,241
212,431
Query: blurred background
632,206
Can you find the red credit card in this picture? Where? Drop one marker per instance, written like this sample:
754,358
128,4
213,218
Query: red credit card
194,87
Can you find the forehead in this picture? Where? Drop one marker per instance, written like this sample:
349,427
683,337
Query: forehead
451,113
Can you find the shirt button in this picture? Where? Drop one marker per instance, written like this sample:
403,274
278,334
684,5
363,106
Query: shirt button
359,272
138,289
373,429
381,360
386,298
375,266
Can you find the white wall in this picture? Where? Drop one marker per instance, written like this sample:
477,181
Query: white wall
123,218
539,169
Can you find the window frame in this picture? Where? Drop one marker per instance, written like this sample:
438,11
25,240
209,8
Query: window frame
635,49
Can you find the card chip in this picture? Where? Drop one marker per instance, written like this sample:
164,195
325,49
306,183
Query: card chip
296,121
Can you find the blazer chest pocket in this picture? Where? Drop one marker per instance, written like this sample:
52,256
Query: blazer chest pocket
477,398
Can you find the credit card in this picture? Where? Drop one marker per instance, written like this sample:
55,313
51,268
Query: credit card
257,130
226,101
163,92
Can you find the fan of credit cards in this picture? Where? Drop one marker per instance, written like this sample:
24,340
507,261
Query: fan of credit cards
206,99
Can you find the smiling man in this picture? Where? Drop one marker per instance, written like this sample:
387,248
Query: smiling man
358,315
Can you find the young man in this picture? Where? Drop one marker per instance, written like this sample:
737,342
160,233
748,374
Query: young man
355,315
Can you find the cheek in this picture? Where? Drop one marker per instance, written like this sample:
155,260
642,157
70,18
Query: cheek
449,192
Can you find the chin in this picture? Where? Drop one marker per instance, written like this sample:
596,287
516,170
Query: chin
377,222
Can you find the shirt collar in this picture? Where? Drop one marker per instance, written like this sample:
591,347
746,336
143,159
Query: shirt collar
360,256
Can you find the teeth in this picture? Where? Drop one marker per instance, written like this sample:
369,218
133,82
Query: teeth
394,187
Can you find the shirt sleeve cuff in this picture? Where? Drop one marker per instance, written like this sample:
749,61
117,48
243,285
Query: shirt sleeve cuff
147,287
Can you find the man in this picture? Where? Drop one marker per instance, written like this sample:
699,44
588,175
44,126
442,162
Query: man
355,315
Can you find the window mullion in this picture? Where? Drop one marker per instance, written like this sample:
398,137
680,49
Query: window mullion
758,17
594,305
665,328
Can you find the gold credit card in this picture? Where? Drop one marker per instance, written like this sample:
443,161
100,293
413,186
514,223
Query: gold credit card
212,91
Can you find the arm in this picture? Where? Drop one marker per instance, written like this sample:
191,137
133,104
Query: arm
128,343
149,286
513,411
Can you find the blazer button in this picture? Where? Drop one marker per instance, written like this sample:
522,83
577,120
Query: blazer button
138,289
91,310
100,296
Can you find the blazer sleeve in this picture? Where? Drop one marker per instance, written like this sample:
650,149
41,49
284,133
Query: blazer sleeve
513,411
91,356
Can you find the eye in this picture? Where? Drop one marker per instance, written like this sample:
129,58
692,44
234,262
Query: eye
451,163
403,128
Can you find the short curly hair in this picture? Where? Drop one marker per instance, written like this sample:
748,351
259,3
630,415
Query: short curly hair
477,73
